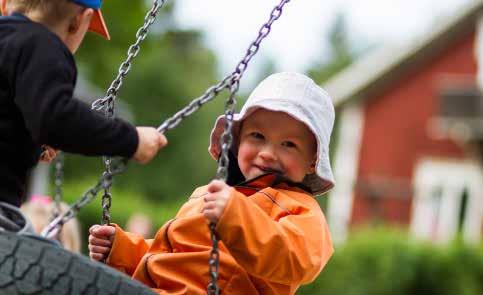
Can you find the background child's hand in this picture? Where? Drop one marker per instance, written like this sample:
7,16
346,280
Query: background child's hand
150,142
216,200
48,154
100,241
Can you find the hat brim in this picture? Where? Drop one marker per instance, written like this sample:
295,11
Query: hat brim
98,25
215,149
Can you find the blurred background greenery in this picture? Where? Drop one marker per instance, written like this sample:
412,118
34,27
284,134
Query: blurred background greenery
380,262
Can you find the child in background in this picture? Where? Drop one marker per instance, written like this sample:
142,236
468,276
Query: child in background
273,234
139,224
37,78
40,210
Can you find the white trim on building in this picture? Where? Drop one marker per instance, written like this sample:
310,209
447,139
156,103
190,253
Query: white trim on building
345,170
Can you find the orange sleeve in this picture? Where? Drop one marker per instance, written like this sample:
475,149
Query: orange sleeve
127,251
293,249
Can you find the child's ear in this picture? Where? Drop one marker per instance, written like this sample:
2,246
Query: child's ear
81,21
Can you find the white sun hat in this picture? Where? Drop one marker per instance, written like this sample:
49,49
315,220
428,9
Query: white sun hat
298,96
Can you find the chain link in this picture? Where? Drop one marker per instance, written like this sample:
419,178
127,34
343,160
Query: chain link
132,52
106,200
59,176
214,264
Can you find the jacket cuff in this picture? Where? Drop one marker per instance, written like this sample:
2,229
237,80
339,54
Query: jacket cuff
127,249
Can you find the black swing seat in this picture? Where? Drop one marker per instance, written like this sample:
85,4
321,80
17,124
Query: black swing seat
13,220
31,264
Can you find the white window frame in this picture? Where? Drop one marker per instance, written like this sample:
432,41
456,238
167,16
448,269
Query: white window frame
440,223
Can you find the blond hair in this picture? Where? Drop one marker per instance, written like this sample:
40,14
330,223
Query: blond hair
50,12
40,215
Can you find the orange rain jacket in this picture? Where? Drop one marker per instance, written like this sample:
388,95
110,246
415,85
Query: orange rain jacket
273,239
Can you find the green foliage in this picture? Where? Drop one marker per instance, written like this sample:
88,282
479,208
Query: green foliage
341,53
382,262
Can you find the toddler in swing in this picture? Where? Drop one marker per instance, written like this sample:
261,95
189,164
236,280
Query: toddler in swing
273,234
37,78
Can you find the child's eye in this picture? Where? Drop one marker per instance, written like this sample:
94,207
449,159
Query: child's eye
257,135
289,144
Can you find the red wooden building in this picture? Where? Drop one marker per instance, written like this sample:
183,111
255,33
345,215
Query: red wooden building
410,132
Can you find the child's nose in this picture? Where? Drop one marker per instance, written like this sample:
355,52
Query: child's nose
268,153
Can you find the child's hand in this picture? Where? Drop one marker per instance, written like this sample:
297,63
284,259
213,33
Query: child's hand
100,241
48,154
215,201
150,142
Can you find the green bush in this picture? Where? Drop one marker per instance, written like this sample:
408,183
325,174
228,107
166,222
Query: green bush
382,262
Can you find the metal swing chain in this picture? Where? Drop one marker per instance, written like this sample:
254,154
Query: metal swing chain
226,139
108,101
132,52
53,228
106,200
59,176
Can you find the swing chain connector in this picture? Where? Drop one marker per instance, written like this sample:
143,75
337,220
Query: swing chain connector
54,227
132,52
195,104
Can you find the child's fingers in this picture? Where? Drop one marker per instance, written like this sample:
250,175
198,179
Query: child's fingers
52,154
92,228
99,242
102,231
211,215
209,205
96,256
216,186
44,157
210,197
99,249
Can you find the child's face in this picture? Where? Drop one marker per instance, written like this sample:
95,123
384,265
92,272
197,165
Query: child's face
275,142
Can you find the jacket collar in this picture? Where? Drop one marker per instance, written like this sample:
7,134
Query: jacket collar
270,180
18,16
